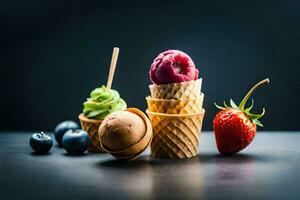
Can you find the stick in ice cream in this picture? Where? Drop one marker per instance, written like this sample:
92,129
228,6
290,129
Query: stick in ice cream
112,68
102,102
173,66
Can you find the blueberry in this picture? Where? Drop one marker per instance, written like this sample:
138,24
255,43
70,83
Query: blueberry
40,142
75,141
63,127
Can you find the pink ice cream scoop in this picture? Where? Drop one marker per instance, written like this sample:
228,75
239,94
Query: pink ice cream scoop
173,66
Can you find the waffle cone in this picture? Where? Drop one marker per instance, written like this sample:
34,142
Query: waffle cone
175,106
187,89
91,126
175,135
138,148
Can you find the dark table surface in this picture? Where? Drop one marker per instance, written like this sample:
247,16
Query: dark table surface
268,169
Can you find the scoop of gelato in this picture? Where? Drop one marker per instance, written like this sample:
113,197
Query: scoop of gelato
121,130
125,134
173,66
102,102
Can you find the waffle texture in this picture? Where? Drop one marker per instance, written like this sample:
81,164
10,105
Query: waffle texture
91,126
175,106
175,135
188,89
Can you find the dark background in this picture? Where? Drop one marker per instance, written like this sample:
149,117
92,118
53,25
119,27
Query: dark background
53,53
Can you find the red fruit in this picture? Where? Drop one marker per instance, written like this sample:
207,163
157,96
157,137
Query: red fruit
235,126
173,66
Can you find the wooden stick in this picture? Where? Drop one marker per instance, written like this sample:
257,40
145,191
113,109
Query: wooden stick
112,68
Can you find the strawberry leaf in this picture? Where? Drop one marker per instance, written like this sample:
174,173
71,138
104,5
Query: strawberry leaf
255,116
224,102
220,107
251,106
257,122
232,104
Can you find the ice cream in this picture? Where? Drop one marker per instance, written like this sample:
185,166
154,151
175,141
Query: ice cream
121,130
125,134
173,66
175,105
102,102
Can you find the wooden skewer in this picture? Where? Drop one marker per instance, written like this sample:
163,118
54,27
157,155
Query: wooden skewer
112,68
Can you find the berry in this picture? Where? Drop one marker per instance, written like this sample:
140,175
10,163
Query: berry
63,127
40,142
173,66
75,141
235,126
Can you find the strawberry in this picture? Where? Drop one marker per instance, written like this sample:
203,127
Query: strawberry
235,126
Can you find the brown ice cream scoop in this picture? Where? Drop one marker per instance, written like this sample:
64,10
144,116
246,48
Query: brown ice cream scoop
125,134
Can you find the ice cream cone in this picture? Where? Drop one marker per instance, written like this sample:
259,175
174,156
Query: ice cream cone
187,89
91,126
175,106
175,135
133,151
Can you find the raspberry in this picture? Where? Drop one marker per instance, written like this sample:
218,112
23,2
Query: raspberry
173,66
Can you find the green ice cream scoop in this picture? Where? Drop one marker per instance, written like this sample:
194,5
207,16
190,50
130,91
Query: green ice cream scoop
102,102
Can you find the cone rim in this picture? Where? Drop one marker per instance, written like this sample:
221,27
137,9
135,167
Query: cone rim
175,115
171,84
83,118
201,97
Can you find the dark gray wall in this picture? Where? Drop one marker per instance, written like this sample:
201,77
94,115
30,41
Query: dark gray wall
53,53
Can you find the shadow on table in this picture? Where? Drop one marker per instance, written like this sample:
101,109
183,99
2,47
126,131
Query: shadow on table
184,178
40,154
114,163
237,158
143,161
152,178
236,168
58,146
74,155
147,177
